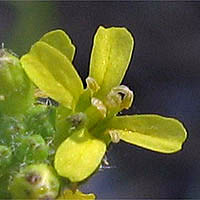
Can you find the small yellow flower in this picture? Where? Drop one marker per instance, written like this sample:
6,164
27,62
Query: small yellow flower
87,118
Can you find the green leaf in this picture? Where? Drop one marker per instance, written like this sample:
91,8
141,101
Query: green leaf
111,54
61,41
79,156
153,132
53,73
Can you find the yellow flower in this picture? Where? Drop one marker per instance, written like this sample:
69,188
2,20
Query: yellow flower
87,119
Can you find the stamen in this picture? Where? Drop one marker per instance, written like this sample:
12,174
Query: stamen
114,135
120,96
92,84
99,105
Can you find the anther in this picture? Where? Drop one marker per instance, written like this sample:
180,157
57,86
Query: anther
99,105
92,84
114,135
120,96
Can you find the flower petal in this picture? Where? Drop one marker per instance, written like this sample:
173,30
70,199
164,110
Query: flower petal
111,54
68,194
61,41
79,156
53,73
153,132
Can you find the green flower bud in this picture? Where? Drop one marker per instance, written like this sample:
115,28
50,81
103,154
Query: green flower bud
5,157
16,90
40,120
10,128
35,182
32,149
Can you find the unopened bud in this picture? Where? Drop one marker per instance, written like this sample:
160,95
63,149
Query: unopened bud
35,182
16,90
5,157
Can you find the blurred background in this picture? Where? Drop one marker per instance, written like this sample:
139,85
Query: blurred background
164,74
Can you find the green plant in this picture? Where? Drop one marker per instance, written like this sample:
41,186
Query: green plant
73,137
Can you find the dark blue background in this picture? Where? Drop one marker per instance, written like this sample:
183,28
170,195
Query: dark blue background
164,74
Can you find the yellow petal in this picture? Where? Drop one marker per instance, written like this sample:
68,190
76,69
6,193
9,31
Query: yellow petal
61,41
79,156
53,73
111,54
68,194
153,132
